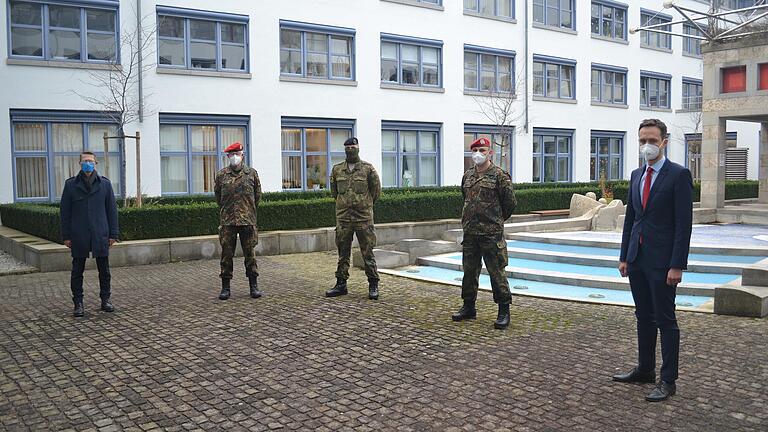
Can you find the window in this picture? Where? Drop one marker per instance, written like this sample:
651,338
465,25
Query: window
609,84
606,155
554,13
65,31
554,77
692,46
311,147
411,61
609,19
552,155
691,94
315,51
192,39
488,69
410,154
494,8
762,72
502,150
693,151
192,150
46,147
654,89
653,39
734,79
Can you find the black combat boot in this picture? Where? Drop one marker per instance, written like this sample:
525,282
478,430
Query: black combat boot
467,312
373,289
106,305
253,283
79,310
224,295
502,321
339,289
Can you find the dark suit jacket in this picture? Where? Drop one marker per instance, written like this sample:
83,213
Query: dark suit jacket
666,222
89,216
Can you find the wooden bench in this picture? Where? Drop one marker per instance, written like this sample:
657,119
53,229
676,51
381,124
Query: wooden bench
552,213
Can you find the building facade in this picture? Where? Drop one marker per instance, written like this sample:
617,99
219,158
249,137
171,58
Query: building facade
293,79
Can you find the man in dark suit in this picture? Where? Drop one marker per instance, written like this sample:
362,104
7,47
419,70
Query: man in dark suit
89,227
654,253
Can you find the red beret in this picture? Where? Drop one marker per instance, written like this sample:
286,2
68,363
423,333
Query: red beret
480,142
235,147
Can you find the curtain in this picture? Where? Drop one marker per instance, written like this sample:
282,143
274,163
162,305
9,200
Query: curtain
31,177
29,137
67,137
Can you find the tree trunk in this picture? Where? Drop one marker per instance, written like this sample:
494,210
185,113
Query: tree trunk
121,143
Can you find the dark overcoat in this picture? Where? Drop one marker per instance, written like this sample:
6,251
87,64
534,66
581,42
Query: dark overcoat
89,215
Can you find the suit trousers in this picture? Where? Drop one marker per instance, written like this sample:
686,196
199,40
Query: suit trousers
105,278
655,312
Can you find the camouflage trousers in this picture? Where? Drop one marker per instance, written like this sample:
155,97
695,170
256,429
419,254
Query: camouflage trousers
249,238
493,251
366,238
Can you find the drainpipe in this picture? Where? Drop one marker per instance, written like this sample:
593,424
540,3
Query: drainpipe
525,126
139,30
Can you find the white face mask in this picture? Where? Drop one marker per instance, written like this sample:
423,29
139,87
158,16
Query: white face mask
479,158
649,151
235,160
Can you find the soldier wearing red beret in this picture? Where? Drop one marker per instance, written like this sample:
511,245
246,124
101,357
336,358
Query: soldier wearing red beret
238,191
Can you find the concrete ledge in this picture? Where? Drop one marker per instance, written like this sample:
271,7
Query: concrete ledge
385,259
755,274
745,301
416,248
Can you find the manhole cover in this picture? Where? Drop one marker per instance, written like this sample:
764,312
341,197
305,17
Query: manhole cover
596,296
413,271
684,304
460,279
520,287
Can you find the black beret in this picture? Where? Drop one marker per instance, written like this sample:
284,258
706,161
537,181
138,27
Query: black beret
351,141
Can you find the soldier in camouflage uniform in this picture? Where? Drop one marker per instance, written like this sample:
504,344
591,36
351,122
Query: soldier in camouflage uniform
355,185
489,200
238,191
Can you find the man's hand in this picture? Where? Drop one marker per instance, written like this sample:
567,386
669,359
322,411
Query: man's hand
623,268
674,276
111,242
68,243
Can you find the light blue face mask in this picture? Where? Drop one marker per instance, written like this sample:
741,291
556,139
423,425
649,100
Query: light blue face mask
87,166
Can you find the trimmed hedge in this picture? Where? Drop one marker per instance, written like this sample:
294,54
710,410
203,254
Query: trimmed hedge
183,217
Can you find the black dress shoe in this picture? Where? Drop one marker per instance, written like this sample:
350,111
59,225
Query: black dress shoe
466,312
662,392
635,376
79,311
106,306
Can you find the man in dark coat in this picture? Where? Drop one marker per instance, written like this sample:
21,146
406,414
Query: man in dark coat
89,226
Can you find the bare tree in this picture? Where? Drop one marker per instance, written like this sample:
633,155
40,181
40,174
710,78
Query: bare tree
117,88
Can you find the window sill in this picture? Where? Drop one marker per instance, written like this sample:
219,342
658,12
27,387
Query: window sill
652,48
731,95
62,64
694,56
668,110
348,83
412,88
608,39
489,94
687,110
189,72
417,4
610,105
557,100
491,17
553,28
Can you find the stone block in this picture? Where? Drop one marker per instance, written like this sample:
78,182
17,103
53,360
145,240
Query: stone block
746,301
385,259
454,235
269,244
755,274
61,260
302,241
620,223
195,248
606,217
416,248
581,204
140,252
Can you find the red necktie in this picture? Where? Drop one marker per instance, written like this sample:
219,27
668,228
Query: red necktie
647,186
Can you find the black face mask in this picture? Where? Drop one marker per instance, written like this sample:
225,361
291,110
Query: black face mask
353,154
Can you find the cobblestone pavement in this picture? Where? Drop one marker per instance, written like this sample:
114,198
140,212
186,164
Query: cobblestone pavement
174,358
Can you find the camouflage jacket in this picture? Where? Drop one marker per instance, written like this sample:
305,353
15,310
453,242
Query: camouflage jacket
238,193
355,191
489,200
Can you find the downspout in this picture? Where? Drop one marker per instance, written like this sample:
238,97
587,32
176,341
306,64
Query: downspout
139,31
525,68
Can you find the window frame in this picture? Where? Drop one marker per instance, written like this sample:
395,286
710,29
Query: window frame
722,73
218,18
398,127
688,84
48,118
762,76
304,123
496,8
614,70
45,29
420,43
560,63
596,155
616,6
188,121
689,42
538,135
650,17
657,77
329,32
545,17
498,54
477,130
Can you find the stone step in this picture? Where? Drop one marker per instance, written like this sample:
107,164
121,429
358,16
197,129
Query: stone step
741,300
